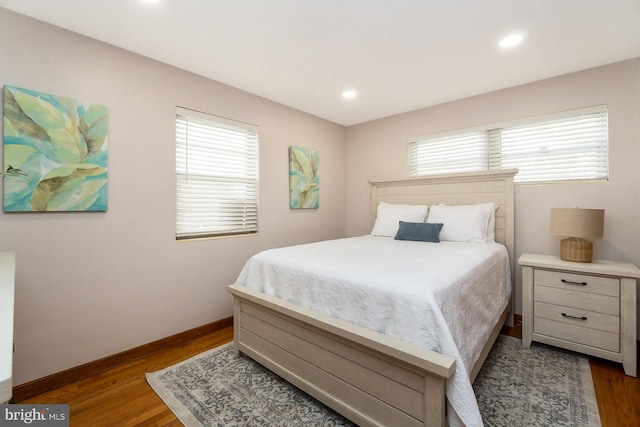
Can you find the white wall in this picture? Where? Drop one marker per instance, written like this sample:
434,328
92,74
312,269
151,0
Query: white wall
89,285
378,150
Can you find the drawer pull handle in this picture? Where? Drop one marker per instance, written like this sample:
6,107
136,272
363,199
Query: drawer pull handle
573,317
569,282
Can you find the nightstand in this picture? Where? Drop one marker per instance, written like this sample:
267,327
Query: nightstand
585,307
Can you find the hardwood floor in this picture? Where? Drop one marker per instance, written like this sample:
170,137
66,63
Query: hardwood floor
618,395
121,396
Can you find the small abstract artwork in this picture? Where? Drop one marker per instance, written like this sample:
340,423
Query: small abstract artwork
55,153
304,180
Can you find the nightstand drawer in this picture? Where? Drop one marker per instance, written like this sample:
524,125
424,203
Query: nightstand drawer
578,334
580,282
578,317
576,299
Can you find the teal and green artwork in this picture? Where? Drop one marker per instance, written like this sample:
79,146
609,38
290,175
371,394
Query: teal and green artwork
304,180
55,153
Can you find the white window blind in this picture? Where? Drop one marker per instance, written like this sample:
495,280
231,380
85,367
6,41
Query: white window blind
454,153
565,149
216,176
571,146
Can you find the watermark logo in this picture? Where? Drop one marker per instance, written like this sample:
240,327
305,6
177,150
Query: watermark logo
34,415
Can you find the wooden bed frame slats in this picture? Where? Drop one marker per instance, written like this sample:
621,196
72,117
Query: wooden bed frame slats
370,389
329,363
272,327
331,385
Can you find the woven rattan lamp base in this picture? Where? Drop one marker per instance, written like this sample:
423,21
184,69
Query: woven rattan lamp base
576,249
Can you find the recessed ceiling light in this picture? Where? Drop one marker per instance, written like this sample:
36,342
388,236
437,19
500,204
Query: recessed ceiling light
151,1
349,94
511,40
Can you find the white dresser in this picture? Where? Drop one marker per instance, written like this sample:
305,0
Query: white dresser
584,307
7,286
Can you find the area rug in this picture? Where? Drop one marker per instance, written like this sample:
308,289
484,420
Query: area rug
517,386
537,386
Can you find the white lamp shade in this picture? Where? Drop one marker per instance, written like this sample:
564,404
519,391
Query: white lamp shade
576,222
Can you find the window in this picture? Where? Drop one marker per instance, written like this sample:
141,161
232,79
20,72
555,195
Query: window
216,176
571,146
456,153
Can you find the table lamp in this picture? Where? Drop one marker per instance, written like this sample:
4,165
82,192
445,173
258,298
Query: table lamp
577,224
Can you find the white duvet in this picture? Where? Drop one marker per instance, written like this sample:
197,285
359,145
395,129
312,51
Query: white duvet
443,296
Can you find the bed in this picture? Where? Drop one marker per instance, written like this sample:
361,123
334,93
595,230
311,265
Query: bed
372,374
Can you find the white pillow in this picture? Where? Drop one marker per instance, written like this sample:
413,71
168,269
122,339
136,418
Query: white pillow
389,216
465,223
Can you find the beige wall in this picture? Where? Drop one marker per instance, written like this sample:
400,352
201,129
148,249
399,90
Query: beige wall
378,150
90,285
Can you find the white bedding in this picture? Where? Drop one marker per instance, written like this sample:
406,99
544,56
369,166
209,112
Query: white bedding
443,296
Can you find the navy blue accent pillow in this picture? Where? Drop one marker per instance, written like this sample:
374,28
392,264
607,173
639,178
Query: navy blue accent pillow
419,231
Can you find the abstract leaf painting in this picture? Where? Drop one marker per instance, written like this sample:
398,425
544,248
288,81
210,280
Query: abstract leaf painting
55,153
304,180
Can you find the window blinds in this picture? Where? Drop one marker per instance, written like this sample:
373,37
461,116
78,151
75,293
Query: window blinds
566,147
216,176
455,153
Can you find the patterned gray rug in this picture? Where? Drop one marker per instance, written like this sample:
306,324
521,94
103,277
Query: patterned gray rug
540,386
537,386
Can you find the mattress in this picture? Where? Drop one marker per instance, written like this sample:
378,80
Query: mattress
445,296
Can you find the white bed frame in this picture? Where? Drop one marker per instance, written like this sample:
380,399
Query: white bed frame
370,378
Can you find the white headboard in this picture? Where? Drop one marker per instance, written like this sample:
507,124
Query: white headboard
456,189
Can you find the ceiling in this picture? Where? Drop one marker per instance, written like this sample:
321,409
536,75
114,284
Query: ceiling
398,55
